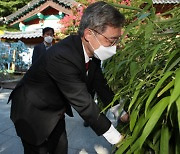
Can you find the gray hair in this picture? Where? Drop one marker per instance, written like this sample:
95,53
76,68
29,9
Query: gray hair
98,16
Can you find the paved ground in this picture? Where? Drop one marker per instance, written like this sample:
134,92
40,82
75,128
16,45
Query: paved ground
79,137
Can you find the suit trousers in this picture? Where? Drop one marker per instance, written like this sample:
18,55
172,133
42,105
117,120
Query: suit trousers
56,143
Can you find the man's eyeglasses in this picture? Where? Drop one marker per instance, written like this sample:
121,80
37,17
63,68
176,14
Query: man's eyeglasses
112,41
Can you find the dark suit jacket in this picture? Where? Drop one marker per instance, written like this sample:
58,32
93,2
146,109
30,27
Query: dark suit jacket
38,51
57,81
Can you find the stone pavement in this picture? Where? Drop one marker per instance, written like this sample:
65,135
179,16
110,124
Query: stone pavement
79,137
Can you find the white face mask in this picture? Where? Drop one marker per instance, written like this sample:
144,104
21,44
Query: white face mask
103,52
48,39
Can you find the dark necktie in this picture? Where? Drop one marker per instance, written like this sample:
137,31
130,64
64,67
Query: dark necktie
87,65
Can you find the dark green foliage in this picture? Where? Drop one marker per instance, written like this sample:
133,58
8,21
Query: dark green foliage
10,6
145,74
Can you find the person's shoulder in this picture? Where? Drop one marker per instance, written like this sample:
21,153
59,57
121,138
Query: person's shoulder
70,39
67,44
69,47
39,45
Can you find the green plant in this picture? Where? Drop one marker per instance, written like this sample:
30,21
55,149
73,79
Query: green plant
9,6
145,74
12,54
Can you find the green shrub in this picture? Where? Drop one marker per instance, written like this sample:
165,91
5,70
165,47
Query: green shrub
145,74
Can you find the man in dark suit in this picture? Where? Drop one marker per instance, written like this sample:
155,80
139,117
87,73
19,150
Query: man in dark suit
64,77
39,49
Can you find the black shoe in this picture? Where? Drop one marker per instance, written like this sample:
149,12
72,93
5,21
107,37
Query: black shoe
86,124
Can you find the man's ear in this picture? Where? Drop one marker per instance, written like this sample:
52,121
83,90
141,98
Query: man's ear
87,34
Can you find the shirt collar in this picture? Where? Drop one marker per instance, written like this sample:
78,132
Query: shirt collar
87,59
47,45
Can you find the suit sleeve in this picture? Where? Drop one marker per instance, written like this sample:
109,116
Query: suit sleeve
68,79
36,53
101,87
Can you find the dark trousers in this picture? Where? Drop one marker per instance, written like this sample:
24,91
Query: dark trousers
55,144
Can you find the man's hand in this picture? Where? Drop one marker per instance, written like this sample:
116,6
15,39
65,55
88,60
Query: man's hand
116,146
121,139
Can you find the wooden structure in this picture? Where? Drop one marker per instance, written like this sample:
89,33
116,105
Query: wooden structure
165,5
33,17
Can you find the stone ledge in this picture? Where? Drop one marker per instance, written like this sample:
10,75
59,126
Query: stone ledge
9,84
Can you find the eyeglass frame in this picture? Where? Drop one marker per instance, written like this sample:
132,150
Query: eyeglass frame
112,43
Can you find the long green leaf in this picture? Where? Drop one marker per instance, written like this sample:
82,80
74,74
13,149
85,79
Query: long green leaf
134,69
170,58
177,77
125,145
138,151
178,111
146,62
148,33
152,146
155,51
157,147
127,7
164,142
140,123
154,72
138,88
138,129
133,119
174,64
167,21
140,101
156,136
157,112
158,86
176,92
167,87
